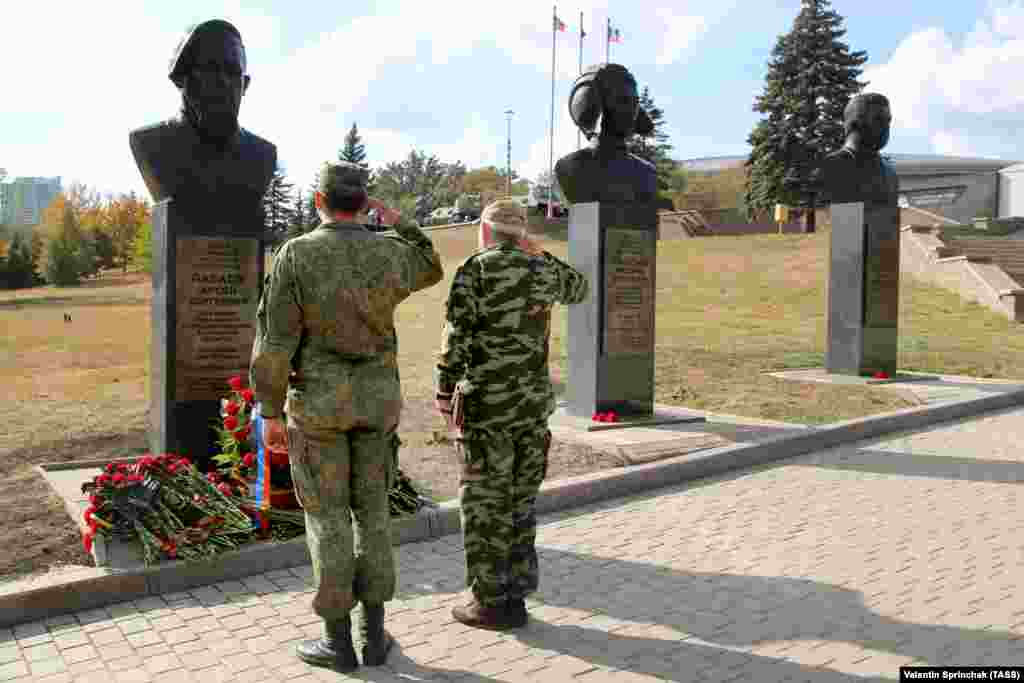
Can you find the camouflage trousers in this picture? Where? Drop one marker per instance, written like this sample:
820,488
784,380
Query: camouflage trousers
340,475
501,475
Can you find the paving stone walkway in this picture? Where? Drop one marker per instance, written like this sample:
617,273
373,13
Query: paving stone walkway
840,565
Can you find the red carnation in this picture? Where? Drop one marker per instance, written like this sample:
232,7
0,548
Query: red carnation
230,422
881,375
172,468
87,515
213,477
118,479
184,462
102,480
224,488
232,408
249,459
109,469
247,395
95,501
243,433
236,382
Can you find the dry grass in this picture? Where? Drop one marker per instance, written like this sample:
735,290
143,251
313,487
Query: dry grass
729,309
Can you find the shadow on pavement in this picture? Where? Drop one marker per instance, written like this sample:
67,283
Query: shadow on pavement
734,611
923,465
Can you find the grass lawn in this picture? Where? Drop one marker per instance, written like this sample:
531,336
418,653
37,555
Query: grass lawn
729,309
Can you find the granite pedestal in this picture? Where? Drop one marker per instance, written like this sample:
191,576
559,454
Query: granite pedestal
207,279
611,334
863,291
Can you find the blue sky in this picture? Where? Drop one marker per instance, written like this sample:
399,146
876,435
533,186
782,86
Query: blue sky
438,76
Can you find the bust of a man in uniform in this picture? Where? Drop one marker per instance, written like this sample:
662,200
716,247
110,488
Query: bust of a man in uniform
857,172
606,96
202,153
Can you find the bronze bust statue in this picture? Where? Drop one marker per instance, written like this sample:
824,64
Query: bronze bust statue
857,172
202,159
606,95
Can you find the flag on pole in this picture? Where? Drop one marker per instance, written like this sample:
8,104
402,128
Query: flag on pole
559,24
583,34
613,35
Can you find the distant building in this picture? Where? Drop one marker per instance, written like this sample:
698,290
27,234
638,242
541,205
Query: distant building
22,200
957,187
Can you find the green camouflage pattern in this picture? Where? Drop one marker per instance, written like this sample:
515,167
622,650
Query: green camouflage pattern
335,472
325,328
326,344
501,475
497,331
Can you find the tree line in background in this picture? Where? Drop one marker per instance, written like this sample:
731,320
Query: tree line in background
79,233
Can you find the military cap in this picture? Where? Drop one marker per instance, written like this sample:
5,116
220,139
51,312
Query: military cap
179,62
343,179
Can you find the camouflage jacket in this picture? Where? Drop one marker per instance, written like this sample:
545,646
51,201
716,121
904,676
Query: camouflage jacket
325,333
497,329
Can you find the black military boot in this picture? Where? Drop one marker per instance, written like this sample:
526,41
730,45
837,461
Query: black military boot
377,642
516,611
334,650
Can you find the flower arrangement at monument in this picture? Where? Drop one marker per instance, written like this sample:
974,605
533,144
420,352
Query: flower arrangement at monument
168,505
236,459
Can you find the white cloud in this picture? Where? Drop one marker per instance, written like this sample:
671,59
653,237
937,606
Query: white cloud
680,33
945,91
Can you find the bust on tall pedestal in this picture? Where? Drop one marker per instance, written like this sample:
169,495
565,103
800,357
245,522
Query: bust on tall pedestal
208,178
862,190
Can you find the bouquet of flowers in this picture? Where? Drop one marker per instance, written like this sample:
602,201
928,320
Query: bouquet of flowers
236,459
167,504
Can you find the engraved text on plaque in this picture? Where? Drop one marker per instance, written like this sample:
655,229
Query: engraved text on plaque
629,292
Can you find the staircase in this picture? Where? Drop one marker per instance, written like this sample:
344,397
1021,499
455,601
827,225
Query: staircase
689,222
987,270
1008,254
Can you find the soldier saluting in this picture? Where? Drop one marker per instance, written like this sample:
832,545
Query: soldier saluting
327,319
495,359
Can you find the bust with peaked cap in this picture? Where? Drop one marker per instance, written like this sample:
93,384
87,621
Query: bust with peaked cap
605,105
202,156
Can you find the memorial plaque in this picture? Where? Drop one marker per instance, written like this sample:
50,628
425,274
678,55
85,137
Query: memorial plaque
629,292
217,292
611,333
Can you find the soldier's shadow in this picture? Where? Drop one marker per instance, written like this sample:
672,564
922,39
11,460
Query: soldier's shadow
705,615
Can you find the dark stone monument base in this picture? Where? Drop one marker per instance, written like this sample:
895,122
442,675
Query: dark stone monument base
611,334
207,279
863,291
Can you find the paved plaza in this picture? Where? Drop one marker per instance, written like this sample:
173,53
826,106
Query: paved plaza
840,565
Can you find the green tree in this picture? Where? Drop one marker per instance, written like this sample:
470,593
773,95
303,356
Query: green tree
17,270
354,150
655,147
142,248
37,253
811,77
277,206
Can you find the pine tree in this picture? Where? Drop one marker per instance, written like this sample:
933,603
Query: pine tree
811,76
354,150
277,206
655,148
68,255
300,223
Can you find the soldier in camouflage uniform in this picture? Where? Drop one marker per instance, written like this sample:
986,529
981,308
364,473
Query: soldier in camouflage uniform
494,360
326,336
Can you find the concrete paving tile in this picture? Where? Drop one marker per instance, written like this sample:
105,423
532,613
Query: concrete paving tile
43,667
13,670
94,676
153,650
107,636
9,653
179,635
144,638
86,667
71,638
133,676
161,663
60,677
127,662
38,652
81,653
134,625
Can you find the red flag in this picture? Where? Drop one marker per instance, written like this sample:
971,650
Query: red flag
613,35
559,24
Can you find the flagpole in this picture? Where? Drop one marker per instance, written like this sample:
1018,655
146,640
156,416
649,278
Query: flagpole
608,43
551,156
579,143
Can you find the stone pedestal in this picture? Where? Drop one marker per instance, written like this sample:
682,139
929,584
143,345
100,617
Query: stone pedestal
207,280
611,334
863,291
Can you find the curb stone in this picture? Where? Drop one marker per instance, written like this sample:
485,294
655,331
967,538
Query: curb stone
35,599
